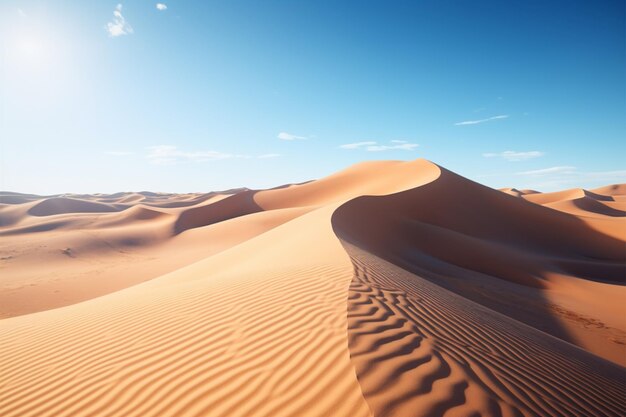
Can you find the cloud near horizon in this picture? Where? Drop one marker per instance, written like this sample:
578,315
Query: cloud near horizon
357,145
118,153
560,176
513,156
289,136
170,155
475,122
547,171
119,26
373,146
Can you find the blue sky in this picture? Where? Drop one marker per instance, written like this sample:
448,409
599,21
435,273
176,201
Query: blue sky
100,96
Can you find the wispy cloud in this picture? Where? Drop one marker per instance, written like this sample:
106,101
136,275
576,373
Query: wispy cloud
357,145
513,156
475,122
21,12
119,26
289,136
549,171
372,146
169,155
118,153
564,176
614,176
161,6
404,146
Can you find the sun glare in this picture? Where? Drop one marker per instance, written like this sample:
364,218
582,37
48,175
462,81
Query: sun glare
31,44
35,61
31,49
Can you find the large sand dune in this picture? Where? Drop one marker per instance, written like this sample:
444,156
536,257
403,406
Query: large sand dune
387,289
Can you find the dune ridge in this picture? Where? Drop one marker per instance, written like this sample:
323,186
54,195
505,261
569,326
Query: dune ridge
388,289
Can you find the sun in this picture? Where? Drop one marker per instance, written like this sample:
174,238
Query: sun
31,42
31,48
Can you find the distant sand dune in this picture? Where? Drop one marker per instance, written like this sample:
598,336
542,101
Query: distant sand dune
59,205
582,203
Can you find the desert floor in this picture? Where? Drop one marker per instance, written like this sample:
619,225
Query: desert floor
387,289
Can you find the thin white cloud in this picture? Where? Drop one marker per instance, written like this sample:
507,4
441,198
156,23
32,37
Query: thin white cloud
289,136
118,153
372,146
615,176
380,148
161,6
167,154
549,171
21,12
569,176
475,122
513,156
357,145
119,26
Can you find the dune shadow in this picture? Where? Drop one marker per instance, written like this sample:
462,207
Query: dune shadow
594,206
422,350
12,198
236,205
599,197
484,247
64,205
44,227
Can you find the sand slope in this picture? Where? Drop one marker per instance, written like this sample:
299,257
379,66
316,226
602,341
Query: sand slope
60,258
257,331
420,350
387,289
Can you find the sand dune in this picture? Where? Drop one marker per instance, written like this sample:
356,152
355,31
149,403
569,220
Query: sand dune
141,238
582,203
529,261
259,330
61,205
614,190
387,289
421,350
